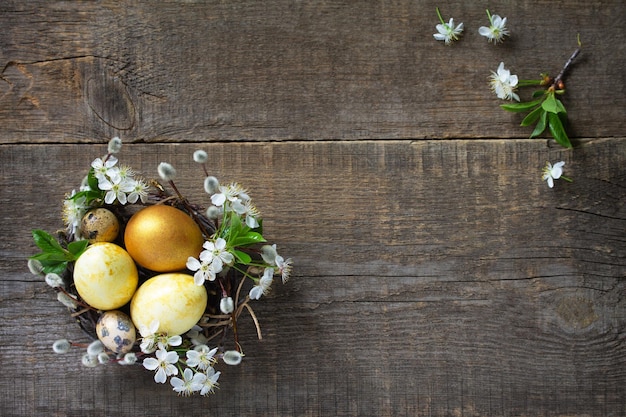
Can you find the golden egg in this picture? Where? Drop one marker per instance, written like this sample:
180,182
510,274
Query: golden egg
105,276
161,238
174,300
99,225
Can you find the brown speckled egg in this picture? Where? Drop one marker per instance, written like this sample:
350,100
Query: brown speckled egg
116,331
99,225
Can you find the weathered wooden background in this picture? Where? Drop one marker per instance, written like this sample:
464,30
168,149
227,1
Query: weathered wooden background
436,274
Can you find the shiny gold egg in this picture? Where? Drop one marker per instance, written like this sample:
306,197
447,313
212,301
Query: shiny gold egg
161,238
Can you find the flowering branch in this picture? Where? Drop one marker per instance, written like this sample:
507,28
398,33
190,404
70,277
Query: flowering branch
546,111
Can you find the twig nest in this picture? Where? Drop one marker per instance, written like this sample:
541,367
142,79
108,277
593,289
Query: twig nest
116,331
100,225
174,300
105,276
161,238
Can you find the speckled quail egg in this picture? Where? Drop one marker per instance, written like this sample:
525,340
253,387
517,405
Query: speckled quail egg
116,331
99,225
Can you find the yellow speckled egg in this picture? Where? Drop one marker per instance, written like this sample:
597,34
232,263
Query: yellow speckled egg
161,238
174,300
116,331
105,276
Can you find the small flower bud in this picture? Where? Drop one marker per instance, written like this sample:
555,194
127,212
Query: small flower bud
200,156
166,171
95,348
227,305
232,357
61,346
103,358
213,212
35,267
89,361
115,145
129,359
211,185
66,300
54,280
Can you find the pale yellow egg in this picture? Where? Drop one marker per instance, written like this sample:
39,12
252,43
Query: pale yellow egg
105,276
174,300
161,238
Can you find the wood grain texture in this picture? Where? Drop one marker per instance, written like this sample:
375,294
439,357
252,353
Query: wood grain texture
290,70
435,278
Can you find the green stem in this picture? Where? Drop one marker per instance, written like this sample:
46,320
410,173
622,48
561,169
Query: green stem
568,179
524,83
440,18
489,16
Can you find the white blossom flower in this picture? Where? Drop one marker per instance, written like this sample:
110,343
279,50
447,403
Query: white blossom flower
263,285
497,28
190,383
217,254
284,267
116,188
204,271
163,364
228,193
196,336
149,335
552,172
245,209
139,192
105,169
232,357
503,83
201,357
210,382
73,211
447,31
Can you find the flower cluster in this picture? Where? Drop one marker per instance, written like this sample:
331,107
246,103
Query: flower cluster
235,257
495,32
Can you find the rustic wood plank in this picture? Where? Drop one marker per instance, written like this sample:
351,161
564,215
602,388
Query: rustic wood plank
281,70
432,278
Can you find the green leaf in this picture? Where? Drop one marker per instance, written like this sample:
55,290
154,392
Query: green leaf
549,104
541,125
532,117
557,130
54,267
560,107
76,248
46,242
92,181
242,257
538,93
520,107
51,257
249,238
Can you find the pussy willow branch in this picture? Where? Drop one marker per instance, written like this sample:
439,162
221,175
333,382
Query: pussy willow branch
559,78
